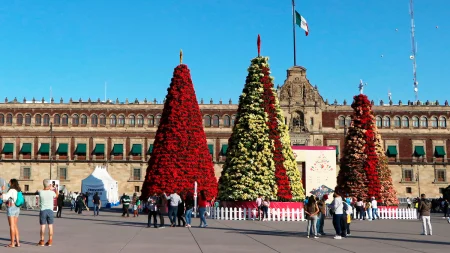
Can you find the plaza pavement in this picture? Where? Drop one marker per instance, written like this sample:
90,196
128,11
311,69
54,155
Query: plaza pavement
111,233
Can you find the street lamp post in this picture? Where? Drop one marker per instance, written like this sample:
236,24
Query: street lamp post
50,151
418,178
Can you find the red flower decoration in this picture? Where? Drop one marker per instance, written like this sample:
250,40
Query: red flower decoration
180,152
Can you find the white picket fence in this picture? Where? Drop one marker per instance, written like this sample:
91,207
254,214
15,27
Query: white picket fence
400,213
233,213
277,214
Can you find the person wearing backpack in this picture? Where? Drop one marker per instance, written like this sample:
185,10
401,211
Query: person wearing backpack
14,200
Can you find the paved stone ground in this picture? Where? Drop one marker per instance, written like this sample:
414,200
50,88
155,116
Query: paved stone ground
111,233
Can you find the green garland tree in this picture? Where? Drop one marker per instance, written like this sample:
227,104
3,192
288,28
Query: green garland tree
260,160
249,169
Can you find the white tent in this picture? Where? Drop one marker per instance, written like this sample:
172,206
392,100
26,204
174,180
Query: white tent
102,183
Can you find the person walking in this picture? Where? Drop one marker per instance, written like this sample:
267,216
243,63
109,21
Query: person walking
12,211
180,212
265,209
202,204
259,206
97,203
374,209
174,199
161,204
125,200
360,212
368,207
80,204
424,210
135,202
189,203
312,210
60,203
152,210
445,208
322,214
346,219
46,216
337,210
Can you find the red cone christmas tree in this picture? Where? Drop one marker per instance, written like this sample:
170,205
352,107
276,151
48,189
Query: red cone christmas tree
180,152
358,175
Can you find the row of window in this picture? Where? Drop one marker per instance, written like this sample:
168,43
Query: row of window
62,149
95,120
62,174
404,121
419,151
439,177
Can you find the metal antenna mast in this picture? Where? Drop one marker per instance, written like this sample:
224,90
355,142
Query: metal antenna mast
414,50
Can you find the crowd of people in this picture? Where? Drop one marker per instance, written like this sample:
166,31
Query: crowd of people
180,208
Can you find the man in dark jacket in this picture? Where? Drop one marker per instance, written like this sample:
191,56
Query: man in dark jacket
424,210
60,203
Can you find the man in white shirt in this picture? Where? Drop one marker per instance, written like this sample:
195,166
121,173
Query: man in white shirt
374,209
46,216
175,199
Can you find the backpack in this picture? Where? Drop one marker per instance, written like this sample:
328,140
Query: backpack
20,200
345,207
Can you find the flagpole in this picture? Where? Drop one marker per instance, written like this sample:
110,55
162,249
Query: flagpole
293,30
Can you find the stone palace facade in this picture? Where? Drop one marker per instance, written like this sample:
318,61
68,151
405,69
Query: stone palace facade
66,140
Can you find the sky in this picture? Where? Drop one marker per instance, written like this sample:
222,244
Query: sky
73,47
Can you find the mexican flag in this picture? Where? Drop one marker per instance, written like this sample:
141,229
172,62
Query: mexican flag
301,21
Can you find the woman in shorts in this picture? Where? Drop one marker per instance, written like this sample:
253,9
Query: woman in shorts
12,212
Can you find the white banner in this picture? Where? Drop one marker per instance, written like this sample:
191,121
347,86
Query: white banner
318,168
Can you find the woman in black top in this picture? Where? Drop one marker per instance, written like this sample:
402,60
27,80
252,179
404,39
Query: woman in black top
60,202
180,212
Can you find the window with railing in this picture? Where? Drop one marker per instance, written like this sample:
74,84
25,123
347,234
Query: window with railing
102,120
121,120
62,173
226,121
94,120
137,174
46,120
140,120
83,119
75,120
65,120
37,120
441,175
57,119
26,173
28,119
408,175
442,122
405,121
397,121
9,119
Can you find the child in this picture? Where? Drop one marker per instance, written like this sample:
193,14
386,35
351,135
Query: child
349,218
